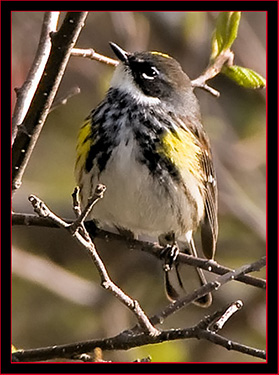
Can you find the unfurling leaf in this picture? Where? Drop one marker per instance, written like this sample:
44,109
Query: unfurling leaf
225,33
244,77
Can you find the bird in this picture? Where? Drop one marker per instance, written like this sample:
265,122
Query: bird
146,143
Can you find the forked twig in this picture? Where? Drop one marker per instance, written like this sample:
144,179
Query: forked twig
79,232
226,57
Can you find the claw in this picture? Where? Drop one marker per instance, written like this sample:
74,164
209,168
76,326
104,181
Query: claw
169,255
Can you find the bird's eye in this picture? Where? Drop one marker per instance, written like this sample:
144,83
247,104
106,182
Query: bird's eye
149,72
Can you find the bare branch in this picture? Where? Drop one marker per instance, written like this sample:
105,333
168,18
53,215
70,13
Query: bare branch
132,338
205,289
29,131
149,247
27,90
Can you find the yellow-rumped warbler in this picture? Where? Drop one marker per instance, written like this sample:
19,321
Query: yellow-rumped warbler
145,142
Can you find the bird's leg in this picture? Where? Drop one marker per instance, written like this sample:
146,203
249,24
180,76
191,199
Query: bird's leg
170,250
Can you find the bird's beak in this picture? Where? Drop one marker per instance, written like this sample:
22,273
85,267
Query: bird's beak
119,52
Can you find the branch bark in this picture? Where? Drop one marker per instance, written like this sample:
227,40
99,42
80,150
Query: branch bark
29,131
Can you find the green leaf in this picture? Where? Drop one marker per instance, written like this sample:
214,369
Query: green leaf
244,77
225,33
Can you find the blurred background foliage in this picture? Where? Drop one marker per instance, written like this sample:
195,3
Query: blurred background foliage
56,297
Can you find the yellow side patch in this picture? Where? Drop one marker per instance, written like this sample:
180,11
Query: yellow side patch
83,144
161,54
183,151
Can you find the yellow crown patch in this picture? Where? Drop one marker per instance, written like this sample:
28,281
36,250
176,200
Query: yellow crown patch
161,54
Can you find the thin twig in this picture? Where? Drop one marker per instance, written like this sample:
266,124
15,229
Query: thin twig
231,345
226,315
149,247
84,239
76,202
64,99
91,54
214,267
98,194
